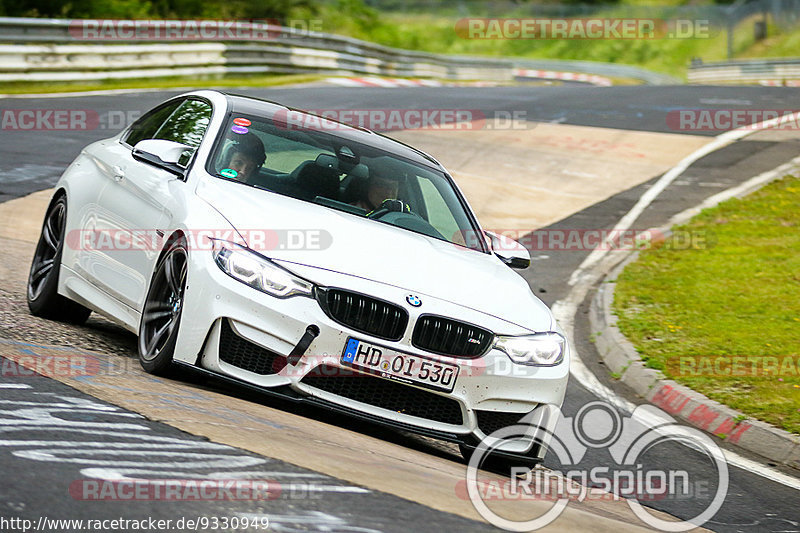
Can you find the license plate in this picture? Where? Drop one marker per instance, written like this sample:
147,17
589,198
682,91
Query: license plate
398,366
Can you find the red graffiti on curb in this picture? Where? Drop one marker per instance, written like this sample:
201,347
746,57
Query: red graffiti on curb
673,401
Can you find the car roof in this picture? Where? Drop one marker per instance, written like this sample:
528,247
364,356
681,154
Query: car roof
257,106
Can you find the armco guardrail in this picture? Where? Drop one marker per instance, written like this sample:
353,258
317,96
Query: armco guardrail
605,69
761,71
55,50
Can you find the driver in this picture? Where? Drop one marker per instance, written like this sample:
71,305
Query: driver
246,156
379,188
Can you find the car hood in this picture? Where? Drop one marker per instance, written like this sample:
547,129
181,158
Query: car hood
352,245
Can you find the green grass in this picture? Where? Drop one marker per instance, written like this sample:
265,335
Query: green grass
740,295
775,45
157,83
436,33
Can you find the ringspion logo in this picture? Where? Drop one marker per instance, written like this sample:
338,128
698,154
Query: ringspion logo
627,476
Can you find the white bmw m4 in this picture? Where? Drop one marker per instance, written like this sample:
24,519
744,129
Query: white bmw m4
307,258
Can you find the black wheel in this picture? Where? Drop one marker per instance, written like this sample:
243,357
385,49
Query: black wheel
43,297
161,315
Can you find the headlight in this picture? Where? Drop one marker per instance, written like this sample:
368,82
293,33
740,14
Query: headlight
539,349
258,272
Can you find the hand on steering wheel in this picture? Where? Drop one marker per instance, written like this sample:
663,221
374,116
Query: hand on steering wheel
391,205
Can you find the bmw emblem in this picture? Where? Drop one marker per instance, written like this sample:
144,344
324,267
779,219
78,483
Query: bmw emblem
413,300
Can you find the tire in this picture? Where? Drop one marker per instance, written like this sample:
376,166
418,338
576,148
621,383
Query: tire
163,308
42,291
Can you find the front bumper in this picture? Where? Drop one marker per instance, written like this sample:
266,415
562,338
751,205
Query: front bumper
232,330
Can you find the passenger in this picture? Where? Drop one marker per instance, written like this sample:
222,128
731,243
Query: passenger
245,157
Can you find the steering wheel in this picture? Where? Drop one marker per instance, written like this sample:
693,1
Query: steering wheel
404,218
392,205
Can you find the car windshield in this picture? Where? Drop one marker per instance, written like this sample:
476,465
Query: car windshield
320,167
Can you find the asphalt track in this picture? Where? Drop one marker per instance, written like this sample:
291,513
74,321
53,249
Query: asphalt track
33,160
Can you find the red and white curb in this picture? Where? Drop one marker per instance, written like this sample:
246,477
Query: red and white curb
600,262
374,81
620,357
780,83
563,76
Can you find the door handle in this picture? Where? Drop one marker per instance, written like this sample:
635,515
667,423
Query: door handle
119,174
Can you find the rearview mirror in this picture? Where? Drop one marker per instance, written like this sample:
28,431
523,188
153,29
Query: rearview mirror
168,155
509,251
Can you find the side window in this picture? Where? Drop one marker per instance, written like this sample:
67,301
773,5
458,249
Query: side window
147,126
187,124
439,215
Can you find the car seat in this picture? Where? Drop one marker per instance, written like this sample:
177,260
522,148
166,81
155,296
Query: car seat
318,178
354,185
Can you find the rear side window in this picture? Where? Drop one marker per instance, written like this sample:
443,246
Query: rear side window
187,124
147,126
183,121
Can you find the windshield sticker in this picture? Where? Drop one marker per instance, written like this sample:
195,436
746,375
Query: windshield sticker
239,121
228,173
241,130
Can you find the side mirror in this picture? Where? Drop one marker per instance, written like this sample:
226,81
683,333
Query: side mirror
168,155
509,251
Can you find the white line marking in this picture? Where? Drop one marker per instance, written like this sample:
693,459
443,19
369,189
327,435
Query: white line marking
580,174
647,198
106,445
126,473
299,487
757,468
590,272
739,190
198,460
14,386
730,101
